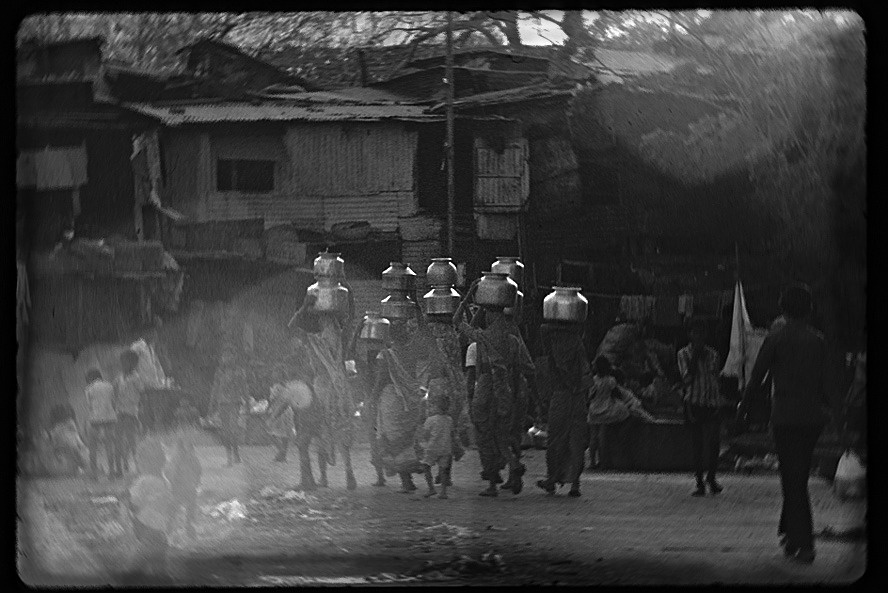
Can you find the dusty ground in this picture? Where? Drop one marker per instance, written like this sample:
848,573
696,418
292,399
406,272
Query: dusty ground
625,529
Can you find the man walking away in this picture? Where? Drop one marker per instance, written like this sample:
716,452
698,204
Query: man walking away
698,365
795,355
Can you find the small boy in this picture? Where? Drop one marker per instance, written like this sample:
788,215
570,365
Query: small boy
70,453
436,442
103,423
128,390
280,423
149,506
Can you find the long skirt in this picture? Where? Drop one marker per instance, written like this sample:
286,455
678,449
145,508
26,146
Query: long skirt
492,413
567,437
232,425
398,424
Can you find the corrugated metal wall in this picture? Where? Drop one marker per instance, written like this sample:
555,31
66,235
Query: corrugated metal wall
502,181
303,211
332,173
336,160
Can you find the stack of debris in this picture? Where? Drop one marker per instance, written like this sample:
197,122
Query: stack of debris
650,366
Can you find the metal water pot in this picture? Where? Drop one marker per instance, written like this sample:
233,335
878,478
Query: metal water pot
374,328
398,306
399,276
329,265
441,272
496,289
441,300
510,265
332,297
565,303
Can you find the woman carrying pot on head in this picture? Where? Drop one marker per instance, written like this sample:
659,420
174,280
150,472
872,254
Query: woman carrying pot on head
446,378
501,358
523,395
364,355
400,398
325,335
571,377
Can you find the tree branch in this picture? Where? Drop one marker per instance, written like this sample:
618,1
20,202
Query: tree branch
545,17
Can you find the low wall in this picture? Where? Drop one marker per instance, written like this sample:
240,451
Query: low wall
639,446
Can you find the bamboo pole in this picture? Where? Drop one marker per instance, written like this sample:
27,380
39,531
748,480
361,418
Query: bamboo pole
451,206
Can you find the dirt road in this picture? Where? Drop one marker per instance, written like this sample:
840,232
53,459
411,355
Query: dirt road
625,529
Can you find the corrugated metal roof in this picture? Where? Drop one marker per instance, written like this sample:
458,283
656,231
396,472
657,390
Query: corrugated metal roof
476,51
524,93
200,113
360,95
630,63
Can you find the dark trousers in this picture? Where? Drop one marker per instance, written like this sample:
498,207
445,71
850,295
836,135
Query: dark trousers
128,429
705,425
795,449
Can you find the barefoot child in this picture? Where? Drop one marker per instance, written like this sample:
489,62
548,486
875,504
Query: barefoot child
148,505
103,423
436,442
183,472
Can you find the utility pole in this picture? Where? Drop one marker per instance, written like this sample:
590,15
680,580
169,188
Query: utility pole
451,206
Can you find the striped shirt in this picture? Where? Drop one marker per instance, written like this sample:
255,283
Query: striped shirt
701,384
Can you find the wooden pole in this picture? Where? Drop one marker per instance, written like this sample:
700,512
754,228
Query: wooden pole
451,207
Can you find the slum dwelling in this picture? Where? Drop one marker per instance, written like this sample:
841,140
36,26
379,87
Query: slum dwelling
92,272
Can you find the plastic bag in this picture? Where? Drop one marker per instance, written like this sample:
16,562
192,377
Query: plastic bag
149,366
850,476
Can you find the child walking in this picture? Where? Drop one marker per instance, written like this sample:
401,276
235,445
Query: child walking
128,390
103,424
436,442
183,473
281,425
149,506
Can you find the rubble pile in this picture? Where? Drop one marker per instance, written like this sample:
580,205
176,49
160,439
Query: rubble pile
650,366
488,563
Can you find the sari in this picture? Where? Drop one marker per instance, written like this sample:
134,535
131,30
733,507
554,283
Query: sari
522,397
333,393
501,359
569,370
448,358
400,409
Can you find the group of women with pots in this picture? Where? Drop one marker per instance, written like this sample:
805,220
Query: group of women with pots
408,363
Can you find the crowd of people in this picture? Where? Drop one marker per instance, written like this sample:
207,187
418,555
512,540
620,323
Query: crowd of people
440,382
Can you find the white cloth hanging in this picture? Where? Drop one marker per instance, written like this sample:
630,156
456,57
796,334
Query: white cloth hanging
686,305
745,341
